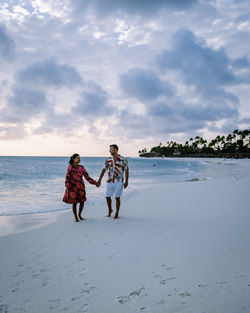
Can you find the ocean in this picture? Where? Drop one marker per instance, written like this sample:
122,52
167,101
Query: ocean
36,184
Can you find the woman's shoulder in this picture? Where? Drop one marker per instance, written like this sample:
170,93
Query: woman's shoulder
70,168
81,167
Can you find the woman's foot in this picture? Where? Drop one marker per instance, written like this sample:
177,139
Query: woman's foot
116,216
81,218
76,220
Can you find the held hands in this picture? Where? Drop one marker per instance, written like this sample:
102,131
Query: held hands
98,183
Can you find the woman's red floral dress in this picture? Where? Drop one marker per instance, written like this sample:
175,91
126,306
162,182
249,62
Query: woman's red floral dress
75,187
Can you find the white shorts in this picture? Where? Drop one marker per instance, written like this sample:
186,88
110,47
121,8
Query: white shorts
115,188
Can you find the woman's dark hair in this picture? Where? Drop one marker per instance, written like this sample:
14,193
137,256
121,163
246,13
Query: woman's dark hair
72,158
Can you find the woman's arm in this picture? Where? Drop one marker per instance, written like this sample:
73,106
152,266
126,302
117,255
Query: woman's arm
87,177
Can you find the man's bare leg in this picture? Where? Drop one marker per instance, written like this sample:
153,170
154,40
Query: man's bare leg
80,211
118,203
74,211
109,203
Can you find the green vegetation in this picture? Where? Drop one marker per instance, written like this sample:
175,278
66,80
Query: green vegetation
234,145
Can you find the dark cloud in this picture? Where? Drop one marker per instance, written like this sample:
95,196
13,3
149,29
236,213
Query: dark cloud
59,123
93,103
140,7
7,45
199,65
144,84
138,126
51,74
23,105
189,115
205,73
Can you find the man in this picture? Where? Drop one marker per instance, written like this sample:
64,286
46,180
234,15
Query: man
116,166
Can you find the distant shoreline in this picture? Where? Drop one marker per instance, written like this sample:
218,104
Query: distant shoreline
224,156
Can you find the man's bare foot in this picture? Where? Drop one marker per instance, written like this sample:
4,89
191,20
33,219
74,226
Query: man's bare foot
116,216
110,212
81,218
76,220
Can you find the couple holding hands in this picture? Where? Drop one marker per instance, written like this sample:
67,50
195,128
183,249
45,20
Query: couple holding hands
75,192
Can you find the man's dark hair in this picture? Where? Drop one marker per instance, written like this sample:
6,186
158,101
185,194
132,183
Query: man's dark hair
72,158
114,146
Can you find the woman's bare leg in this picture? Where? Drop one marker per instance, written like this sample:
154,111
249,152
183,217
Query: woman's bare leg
80,211
74,211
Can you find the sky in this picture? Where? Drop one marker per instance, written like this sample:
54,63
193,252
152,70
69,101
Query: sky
79,75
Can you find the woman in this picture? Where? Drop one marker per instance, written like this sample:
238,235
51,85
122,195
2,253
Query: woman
75,187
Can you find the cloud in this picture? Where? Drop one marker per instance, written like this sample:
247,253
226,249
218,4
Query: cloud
241,63
7,45
23,105
155,125
201,96
198,64
144,84
49,73
138,7
93,103
12,132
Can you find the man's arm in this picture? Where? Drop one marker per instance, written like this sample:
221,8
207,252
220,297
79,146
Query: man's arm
101,176
126,178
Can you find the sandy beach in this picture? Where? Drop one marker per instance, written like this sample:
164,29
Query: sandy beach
179,247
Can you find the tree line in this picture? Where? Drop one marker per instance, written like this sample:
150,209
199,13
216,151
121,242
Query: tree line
233,145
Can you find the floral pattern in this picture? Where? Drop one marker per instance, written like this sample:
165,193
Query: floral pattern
75,187
116,169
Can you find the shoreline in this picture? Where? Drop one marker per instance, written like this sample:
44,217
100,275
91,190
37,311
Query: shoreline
16,223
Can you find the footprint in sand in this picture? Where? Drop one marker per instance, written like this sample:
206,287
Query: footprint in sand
83,272
166,267
45,282
27,306
85,308
164,281
14,288
143,309
36,275
239,276
132,295
17,274
157,276
123,299
54,303
204,285
222,283
160,302
3,308
185,294
76,298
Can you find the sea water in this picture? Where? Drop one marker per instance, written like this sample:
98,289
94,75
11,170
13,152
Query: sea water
37,184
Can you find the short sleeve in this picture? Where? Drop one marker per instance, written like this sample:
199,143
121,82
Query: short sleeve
125,164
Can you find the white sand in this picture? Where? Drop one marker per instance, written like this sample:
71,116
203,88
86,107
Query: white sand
181,247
